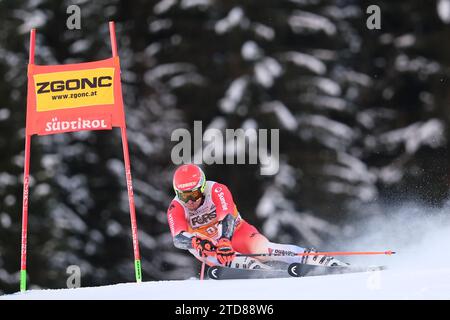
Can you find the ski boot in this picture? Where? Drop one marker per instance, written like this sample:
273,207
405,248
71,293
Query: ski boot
248,263
322,260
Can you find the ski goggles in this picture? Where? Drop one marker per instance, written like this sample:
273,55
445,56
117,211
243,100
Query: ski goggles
193,195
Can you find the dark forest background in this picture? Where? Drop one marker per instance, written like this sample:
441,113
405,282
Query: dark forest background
363,118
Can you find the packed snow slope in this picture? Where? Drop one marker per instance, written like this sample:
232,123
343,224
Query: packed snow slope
419,270
393,284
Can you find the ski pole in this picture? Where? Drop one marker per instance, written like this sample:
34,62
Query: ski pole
329,253
202,271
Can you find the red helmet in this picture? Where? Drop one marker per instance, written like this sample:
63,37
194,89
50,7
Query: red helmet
189,182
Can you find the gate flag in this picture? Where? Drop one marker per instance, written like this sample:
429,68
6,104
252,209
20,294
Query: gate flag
69,98
74,97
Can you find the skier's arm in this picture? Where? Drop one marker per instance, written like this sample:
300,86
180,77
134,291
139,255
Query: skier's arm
227,214
183,239
228,224
225,208
204,247
178,226
224,251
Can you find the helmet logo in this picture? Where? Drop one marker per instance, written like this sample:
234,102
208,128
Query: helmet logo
186,185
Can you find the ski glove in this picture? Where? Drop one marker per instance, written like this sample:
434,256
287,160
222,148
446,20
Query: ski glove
225,252
204,247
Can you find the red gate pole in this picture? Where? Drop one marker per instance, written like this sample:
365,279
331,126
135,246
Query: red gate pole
126,156
26,181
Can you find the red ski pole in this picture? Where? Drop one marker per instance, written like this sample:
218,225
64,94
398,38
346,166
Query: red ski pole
328,253
202,271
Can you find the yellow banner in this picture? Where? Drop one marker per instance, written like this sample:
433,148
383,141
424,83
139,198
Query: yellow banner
74,89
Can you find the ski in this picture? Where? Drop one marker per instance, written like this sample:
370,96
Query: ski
225,273
303,270
293,270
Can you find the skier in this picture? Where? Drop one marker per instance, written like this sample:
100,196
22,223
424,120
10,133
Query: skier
204,219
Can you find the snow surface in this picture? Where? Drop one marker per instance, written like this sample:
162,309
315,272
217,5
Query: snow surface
395,284
419,270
